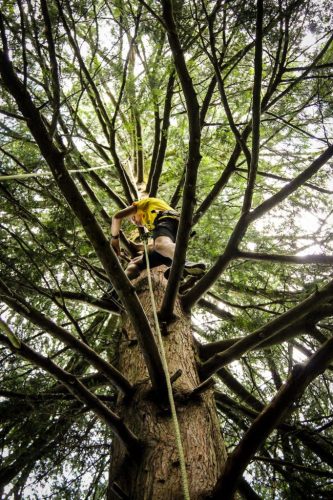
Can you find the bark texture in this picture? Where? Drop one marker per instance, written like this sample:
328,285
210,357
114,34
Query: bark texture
156,475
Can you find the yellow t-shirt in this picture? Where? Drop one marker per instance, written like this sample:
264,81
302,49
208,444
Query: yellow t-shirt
149,208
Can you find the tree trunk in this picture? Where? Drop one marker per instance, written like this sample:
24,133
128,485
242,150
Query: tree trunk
157,474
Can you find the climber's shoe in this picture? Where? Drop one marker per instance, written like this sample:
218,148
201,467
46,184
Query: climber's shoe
190,269
194,268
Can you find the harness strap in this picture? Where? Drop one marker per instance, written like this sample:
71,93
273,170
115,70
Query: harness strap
163,214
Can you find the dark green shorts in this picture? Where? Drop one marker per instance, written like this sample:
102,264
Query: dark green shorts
166,227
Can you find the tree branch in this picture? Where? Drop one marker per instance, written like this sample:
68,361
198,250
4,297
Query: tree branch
292,186
19,305
107,126
102,303
270,417
152,186
220,83
217,311
75,387
282,178
256,111
245,220
311,440
231,166
237,388
54,66
290,332
108,258
306,71
194,157
301,468
286,259
272,328
203,285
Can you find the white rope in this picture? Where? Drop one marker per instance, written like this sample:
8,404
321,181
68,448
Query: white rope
46,174
169,387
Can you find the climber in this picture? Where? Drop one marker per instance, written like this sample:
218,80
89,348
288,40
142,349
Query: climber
162,220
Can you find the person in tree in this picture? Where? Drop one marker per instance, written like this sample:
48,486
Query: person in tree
161,221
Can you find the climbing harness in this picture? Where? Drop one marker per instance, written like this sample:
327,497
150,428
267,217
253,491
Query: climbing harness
145,235
168,381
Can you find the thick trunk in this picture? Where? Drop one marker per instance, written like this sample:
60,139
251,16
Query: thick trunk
157,474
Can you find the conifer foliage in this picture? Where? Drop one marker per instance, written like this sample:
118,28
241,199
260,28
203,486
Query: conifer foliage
224,110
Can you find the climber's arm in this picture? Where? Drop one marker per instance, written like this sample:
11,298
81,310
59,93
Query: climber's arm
116,225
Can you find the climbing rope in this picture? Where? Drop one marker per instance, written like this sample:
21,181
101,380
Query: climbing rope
168,381
47,174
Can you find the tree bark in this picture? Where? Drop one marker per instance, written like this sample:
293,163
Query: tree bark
156,474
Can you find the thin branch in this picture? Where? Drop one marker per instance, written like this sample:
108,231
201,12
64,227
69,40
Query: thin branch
102,303
237,388
23,43
95,201
48,396
203,285
224,178
256,110
11,114
305,326
54,66
302,468
216,64
217,311
101,112
295,127
153,13
287,91
286,259
286,179
3,36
